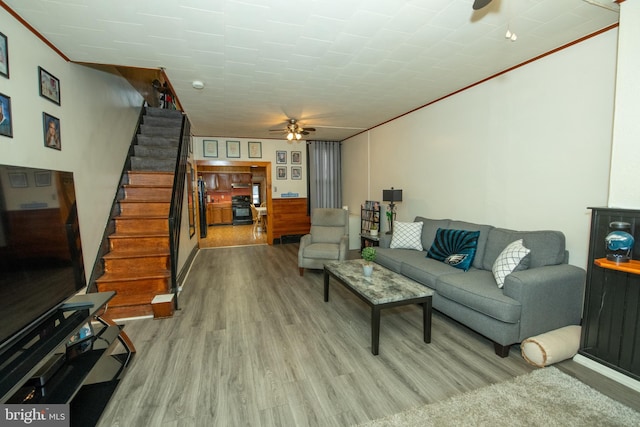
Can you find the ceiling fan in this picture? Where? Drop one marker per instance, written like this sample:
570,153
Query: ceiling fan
479,4
293,130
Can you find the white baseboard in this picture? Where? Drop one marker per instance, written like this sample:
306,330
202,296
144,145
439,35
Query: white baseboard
607,372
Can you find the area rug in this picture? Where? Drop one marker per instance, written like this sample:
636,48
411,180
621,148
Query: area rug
545,397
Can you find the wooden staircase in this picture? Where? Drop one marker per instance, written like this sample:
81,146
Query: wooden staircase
138,264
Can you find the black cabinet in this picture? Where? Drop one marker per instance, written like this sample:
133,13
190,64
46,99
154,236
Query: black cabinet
611,318
43,369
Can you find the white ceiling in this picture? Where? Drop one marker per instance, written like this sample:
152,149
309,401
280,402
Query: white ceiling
341,66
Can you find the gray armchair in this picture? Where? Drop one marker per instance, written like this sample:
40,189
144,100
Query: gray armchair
328,239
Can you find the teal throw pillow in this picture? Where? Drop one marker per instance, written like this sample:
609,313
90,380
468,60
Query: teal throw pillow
454,247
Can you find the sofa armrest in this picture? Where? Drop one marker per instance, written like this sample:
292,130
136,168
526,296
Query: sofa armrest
344,248
385,240
551,297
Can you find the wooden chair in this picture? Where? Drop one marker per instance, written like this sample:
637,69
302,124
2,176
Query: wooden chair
255,216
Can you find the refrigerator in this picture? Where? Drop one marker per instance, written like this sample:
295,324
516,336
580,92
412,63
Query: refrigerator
202,207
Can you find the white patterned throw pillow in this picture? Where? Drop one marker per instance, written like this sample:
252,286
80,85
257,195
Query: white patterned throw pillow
407,235
508,260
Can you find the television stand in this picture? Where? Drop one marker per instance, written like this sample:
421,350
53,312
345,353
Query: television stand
89,373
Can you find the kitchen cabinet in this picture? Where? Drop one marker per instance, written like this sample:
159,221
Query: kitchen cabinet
611,319
219,213
227,215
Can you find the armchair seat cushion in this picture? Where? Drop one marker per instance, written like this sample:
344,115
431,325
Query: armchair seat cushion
329,251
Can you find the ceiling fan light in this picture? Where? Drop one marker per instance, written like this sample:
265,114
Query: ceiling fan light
290,136
298,136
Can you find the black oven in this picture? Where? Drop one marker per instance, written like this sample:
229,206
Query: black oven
241,206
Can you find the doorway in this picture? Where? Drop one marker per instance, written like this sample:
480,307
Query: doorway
224,182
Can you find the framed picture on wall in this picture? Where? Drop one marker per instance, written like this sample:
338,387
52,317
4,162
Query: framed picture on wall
18,180
255,150
6,119
296,157
281,172
233,149
296,172
281,157
43,179
210,148
4,56
51,127
49,86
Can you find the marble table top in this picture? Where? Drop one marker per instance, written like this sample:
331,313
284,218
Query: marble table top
384,286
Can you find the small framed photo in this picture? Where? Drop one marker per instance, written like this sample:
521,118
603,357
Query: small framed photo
281,172
43,179
210,148
49,86
296,157
255,150
4,56
51,126
233,149
6,119
296,172
18,180
281,157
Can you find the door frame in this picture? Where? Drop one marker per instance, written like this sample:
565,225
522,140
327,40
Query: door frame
245,163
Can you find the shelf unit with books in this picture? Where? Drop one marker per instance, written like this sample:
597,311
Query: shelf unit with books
369,224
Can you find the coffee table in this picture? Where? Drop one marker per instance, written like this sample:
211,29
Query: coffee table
382,290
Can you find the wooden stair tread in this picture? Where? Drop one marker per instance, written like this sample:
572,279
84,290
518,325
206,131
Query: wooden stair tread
125,235
147,186
140,216
143,201
136,253
119,277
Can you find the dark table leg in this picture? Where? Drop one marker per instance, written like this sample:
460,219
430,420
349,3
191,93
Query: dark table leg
375,329
426,319
326,286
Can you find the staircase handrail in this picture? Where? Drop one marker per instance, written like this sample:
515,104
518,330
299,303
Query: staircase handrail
177,198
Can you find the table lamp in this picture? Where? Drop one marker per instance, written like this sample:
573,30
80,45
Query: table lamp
391,196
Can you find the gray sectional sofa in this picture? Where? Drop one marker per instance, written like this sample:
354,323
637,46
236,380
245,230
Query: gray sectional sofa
547,295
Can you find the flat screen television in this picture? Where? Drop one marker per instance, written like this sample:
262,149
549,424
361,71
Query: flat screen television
41,262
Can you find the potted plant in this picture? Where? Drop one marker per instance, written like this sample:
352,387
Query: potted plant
368,255
374,230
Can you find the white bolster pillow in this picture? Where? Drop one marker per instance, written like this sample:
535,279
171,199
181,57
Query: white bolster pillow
551,347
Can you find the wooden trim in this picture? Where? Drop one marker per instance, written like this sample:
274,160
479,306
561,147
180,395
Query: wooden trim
267,183
33,30
522,64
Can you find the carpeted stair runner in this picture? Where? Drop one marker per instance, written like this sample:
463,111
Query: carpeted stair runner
157,147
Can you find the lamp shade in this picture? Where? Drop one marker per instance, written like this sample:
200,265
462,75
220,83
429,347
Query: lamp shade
392,195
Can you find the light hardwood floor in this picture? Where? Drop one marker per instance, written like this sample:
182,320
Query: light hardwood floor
255,345
232,235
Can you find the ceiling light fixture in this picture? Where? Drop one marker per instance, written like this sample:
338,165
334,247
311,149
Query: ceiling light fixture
197,84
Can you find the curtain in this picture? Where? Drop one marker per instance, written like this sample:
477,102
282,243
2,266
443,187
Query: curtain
325,174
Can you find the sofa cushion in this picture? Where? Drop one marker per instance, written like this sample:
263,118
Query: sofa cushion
407,235
547,247
482,239
392,258
429,229
416,266
477,290
512,258
454,247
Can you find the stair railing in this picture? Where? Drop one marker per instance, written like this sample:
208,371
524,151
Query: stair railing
177,198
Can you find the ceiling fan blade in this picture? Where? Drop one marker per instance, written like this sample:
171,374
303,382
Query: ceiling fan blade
310,129
479,4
